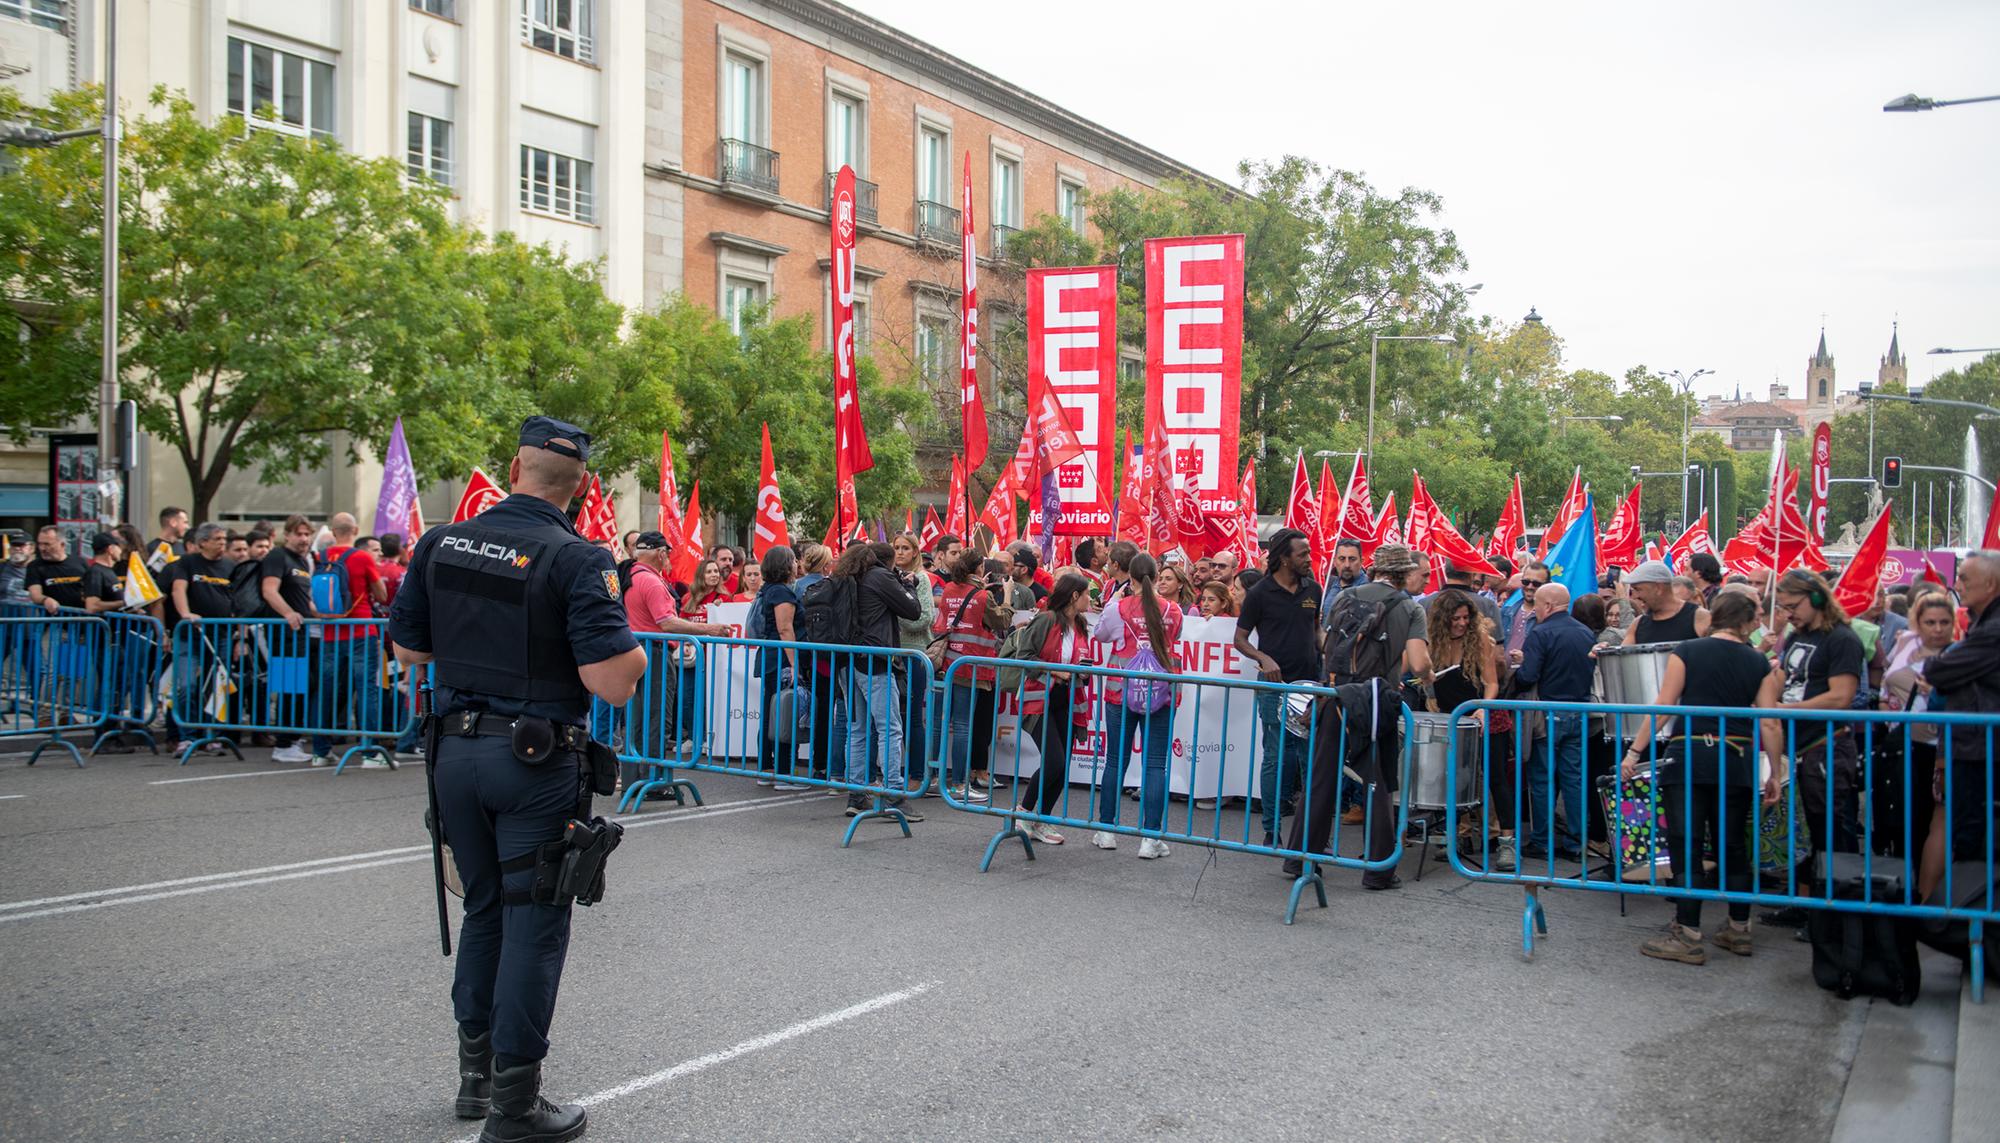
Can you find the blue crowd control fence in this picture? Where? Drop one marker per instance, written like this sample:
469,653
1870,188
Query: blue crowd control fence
1851,829
49,675
1201,766
791,714
658,730
129,677
326,680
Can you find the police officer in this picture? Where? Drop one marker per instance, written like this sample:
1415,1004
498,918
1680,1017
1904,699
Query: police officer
522,622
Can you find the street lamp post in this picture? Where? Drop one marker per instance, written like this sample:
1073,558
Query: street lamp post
1921,103
1374,343
1613,417
1985,349
1685,383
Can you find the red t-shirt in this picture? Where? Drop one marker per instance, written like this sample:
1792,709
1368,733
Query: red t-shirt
362,574
648,601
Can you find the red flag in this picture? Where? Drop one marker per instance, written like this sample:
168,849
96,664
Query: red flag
1618,546
971,406
597,521
1695,539
954,512
692,546
1162,506
1329,509
1862,578
851,453
1383,530
1303,510
1992,538
998,515
1246,517
933,530
1652,551
1132,504
847,510
670,495
832,538
1417,527
1570,508
1513,523
770,528
1447,543
1358,517
479,495
1056,442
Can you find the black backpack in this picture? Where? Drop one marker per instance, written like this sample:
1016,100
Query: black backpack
1865,954
1357,637
827,612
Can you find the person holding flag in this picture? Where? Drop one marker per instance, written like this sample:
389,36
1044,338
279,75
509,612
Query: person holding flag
1556,659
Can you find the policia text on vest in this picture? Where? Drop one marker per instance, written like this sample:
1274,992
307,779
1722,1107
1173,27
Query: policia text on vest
521,622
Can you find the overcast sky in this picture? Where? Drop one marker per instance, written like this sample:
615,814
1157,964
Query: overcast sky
1681,186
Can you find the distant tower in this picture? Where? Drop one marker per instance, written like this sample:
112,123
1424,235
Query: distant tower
1819,376
1894,370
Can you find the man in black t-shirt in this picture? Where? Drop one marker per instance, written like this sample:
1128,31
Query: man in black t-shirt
104,579
168,547
201,577
1282,610
1823,661
286,579
55,577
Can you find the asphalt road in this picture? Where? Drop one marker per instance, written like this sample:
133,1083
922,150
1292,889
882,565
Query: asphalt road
255,957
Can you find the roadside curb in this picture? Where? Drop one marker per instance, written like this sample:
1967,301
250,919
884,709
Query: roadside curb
1975,1099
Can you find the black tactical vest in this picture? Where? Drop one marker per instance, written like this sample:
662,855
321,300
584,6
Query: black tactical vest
498,615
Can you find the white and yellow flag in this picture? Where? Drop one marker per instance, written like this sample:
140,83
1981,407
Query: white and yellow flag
140,589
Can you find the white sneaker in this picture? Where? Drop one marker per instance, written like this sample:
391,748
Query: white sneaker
1042,833
1503,855
322,759
377,762
789,786
1104,840
971,796
686,748
1152,847
290,753
767,781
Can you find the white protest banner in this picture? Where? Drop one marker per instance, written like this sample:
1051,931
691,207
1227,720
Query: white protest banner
735,697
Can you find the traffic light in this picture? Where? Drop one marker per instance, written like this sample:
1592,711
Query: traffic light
1892,472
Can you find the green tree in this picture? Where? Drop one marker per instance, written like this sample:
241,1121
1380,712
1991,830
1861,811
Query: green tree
1922,435
271,287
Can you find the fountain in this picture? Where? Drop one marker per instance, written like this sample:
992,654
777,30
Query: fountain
1977,495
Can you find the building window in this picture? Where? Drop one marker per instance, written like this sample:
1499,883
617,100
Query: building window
740,296
41,13
556,184
559,26
934,165
937,352
847,133
743,116
299,91
1069,204
448,9
1007,191
430,149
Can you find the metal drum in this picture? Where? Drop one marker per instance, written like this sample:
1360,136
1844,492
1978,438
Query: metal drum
1632,675
1430,742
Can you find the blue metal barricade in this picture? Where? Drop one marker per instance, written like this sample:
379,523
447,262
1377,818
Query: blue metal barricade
658,730
1816,809
324,680
50,676
1206,773
798,715
129,679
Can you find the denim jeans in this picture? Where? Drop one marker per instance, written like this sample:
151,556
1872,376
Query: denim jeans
1156,733
1565,732
348,696
971,731
871,695
1284,761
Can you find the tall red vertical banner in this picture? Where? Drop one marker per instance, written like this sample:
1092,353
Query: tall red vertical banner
1822,474
850,448
1194,358
1073,352
971,406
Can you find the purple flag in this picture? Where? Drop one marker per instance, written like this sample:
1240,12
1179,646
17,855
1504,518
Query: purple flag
1051,515
399,487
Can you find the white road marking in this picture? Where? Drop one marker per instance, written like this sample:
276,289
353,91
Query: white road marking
247,774
754,1044
11,797
349,863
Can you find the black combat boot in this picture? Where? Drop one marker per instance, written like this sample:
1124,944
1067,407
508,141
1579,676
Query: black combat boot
475,1073
519,1114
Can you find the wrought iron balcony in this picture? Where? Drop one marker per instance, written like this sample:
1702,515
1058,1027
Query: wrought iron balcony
866,198
937,223
747,164
1002,236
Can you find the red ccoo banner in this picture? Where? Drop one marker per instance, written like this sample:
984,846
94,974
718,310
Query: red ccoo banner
1194,358
1073,348
1822,483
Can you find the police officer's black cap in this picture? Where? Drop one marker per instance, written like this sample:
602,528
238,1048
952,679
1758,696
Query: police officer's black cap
559,437
649,542
104,542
